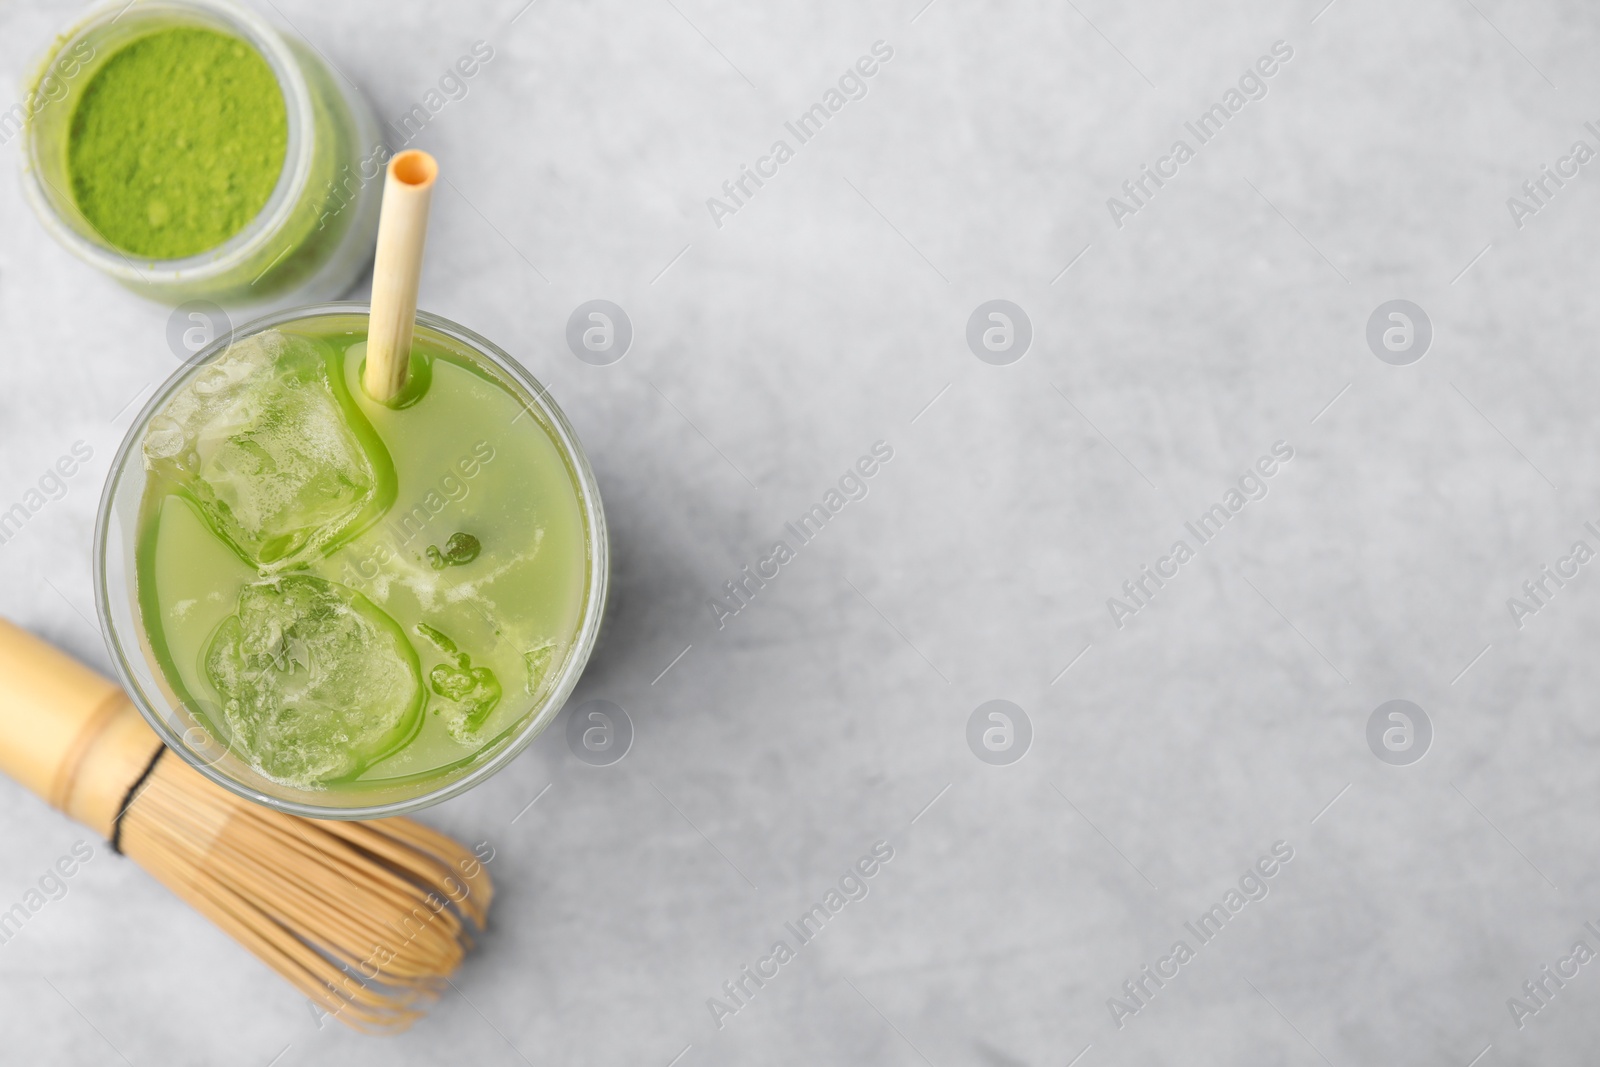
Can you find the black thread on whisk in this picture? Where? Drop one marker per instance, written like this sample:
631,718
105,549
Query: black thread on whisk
128,798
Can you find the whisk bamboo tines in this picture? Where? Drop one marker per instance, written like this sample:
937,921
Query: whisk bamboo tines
367,919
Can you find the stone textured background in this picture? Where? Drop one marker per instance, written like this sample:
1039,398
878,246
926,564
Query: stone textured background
825,316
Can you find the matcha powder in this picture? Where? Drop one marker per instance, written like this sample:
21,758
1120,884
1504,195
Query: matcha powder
177,142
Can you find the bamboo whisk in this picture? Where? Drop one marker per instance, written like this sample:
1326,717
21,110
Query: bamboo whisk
368,919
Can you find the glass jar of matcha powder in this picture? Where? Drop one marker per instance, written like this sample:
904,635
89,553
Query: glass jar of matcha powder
190,151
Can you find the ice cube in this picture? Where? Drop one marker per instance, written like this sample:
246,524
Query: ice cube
470,693
260,441
316,682
537,663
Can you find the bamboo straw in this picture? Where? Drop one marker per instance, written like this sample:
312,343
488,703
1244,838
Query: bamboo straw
396,271
368,920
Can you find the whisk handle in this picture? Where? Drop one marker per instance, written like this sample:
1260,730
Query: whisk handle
67,733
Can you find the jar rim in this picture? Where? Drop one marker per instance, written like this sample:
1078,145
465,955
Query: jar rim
274,214
540,716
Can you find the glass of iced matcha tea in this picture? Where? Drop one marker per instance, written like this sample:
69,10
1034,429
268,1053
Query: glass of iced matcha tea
343,608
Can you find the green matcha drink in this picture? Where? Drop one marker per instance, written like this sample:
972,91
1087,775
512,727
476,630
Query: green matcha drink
354,597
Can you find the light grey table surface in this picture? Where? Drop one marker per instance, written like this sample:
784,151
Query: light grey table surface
829,313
